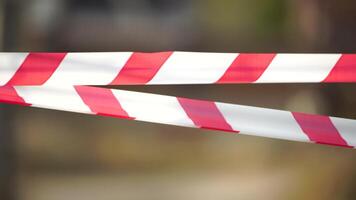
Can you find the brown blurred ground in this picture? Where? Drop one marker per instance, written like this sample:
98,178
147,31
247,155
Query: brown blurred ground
54,155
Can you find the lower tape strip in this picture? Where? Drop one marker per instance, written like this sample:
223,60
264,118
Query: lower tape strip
187,112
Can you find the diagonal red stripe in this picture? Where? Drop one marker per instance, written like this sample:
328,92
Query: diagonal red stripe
8,94
344,70
141,68
319,129
246,68
101,101
37,68
205,114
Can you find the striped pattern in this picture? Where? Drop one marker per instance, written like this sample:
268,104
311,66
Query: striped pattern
57,81
204,114
187,112
101,102
123,68
8,94
247,68
141,68
36,68
319,129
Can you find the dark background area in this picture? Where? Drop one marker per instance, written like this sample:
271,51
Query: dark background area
54,155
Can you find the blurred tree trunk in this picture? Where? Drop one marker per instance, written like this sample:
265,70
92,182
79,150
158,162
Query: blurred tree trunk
7,156
7,139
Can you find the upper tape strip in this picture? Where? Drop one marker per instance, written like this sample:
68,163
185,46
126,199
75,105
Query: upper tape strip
125,68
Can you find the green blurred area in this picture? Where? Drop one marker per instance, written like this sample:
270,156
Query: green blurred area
57,155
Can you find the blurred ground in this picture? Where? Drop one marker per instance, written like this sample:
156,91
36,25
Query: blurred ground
57,155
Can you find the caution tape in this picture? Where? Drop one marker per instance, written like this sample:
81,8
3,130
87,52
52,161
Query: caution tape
57,81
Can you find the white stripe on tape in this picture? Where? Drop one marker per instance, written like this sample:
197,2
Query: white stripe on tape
257,121
60,98
9,64
88,68
193,68
153,108
299,68
346,128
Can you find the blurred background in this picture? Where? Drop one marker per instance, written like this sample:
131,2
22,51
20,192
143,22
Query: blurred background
52,155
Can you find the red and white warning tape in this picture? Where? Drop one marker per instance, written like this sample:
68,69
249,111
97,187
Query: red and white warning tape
118,68
56,81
